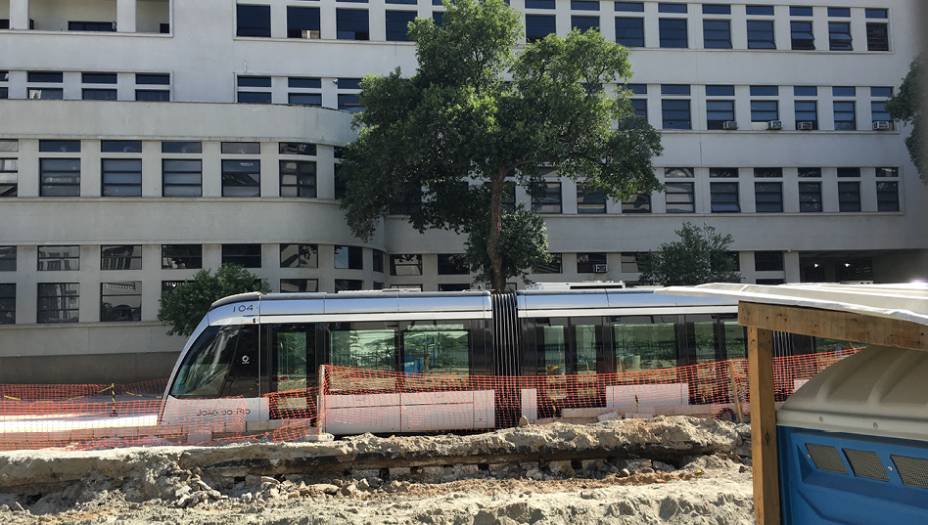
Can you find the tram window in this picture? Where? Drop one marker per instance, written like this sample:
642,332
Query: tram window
587,344
703,338
292,344
643,342
436,349
362,348
222,361
735,347
553,349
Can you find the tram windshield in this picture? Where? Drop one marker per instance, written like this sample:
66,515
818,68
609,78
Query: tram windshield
222,362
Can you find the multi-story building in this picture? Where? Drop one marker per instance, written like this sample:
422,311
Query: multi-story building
143,140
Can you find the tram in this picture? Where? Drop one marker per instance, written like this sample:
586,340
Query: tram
250,346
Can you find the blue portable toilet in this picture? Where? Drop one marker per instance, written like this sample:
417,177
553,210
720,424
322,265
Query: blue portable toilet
853,442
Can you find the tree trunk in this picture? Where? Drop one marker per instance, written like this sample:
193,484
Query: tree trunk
497,277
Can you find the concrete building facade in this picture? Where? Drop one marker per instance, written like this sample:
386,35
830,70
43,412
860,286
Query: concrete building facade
143,140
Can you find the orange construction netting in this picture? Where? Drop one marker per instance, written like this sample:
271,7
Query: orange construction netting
355,400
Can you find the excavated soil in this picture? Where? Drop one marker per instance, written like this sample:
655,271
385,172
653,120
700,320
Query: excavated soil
201,485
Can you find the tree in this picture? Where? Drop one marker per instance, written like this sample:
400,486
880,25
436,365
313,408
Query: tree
701,255
906,105
445,145
184,307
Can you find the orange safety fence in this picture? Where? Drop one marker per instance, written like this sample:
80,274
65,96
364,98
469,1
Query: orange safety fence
355,400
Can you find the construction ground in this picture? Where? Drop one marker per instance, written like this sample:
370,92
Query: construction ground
679,470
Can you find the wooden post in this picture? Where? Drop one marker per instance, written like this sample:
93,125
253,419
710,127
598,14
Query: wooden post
763,427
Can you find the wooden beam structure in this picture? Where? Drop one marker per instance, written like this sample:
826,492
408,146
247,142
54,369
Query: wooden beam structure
830,324
763,427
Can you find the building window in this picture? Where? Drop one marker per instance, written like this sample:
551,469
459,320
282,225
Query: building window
168,287
406,265
349,94
304,91
716,33
590,200
121,302
768,261
680,196
529,4
4,83
379,257
351,24
7,303
297,148
253,20
877,32
9,177
303,22
724,196
343,285
241,178
299,256
879,96
7,258
150,87
849,196
629,31
298,178
802,35
810,196
673,33
806,109
182,148
181,257
299,285
349,258
453,287
628,7
254,90
720,112
59,177
592,263
584,5
845,115
671,8
122,177
768,197
640,203
761,34
398,25
764,110
58,303
839,36
452,264
539,26
95,81
244,255
887,195
675,112
121,146
121,257
181,177
632,262
584,23
546,197
44,85
555,264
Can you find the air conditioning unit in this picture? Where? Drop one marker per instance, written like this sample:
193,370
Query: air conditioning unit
312,34
729,125
600,268
775,124
882,125
805,125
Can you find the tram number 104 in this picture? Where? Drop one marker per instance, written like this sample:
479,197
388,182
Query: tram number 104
244,309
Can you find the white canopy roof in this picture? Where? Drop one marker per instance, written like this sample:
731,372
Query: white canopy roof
904,301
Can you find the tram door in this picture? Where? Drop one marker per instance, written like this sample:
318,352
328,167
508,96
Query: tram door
568,354
291,371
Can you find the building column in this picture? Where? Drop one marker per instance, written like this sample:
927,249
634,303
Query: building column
19,14
791,266
125,16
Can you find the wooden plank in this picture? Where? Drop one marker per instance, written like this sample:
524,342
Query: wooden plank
843,326
763,427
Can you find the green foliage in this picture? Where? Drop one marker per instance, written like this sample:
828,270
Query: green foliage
475,114
700,256
906,105
184,307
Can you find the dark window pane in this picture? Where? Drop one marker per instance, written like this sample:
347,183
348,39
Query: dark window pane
676,114
716,34
59,258
725,197
764,10
121,146
241,178
554,264
58,302
121,302
680,197
849,196
546,197
181,256
351,24
253,20
761,34
810,197
161,79
591,263
629,31
303,22
98,78
877,37
298,179
629,7
98,94
181,147
673,33
590,200
250,97
584,23
839,36
764,110
671,7
452,264
304,82
801,35
45,77
60,146
181,177
122,177
245,255
397,25
768,197
299,256
152,95
539,26
887,196
768,261
716,9
349,258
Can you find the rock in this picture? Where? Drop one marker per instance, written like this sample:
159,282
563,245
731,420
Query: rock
624,473
247,497
660,466
562,468
523,421
362,484
268,479
349,490
639,465
588,494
